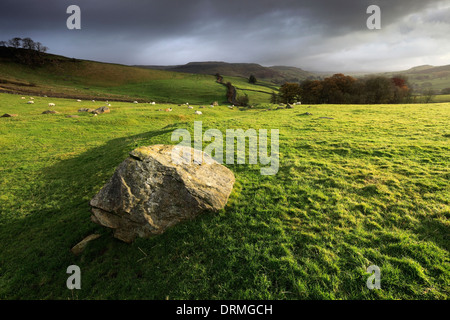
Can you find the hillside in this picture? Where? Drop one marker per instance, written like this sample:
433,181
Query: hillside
275,74
60,76
426,77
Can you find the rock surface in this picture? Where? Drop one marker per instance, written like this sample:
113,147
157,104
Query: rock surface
101,110
149,192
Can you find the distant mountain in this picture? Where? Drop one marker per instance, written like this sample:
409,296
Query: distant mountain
275,74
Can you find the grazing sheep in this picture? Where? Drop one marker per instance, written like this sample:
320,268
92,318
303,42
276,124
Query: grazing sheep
30,102
198,112
153,102
23,98
190,107
135,102
168,109
31,98
78,100
93,101
51,104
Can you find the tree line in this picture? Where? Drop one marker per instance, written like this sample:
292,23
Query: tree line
342,89
25,50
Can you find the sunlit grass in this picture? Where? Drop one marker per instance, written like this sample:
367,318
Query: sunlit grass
369,186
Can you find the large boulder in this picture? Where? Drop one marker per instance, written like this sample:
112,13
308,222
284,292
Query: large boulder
159,186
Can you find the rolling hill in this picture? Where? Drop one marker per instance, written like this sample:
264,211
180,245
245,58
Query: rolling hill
275,74
59,76
426,77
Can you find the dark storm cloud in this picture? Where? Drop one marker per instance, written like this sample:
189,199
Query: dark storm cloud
170,31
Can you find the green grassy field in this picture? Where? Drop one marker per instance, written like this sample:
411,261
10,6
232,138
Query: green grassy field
70,78
368,187
442,98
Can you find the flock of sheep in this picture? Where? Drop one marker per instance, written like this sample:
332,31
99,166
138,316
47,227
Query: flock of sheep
197,112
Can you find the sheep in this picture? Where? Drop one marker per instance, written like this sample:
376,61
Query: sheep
30,102
78,100
31,98
190,107
51,104
198,112
23,98
168,109
153,102
93,101
135,102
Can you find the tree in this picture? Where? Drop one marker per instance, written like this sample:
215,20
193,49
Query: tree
28,43
402,92
242,100
252,79
14,42
379,90
290,92
428,95
274,98
311,91
40,48
231,93
337,89
445,91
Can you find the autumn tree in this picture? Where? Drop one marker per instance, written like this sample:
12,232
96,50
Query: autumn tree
290,92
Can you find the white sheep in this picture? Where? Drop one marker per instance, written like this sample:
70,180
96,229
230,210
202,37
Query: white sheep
153,102
30,102
23,98
190,107
51,104
78,100
31,98
135,102
198,112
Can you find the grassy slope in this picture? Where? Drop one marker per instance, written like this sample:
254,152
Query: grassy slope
63,77
369,187
426,77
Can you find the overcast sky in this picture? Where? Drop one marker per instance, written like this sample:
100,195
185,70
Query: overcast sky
315,35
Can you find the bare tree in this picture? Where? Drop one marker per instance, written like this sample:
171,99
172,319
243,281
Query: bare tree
428,95
40,48
15,42
28,43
